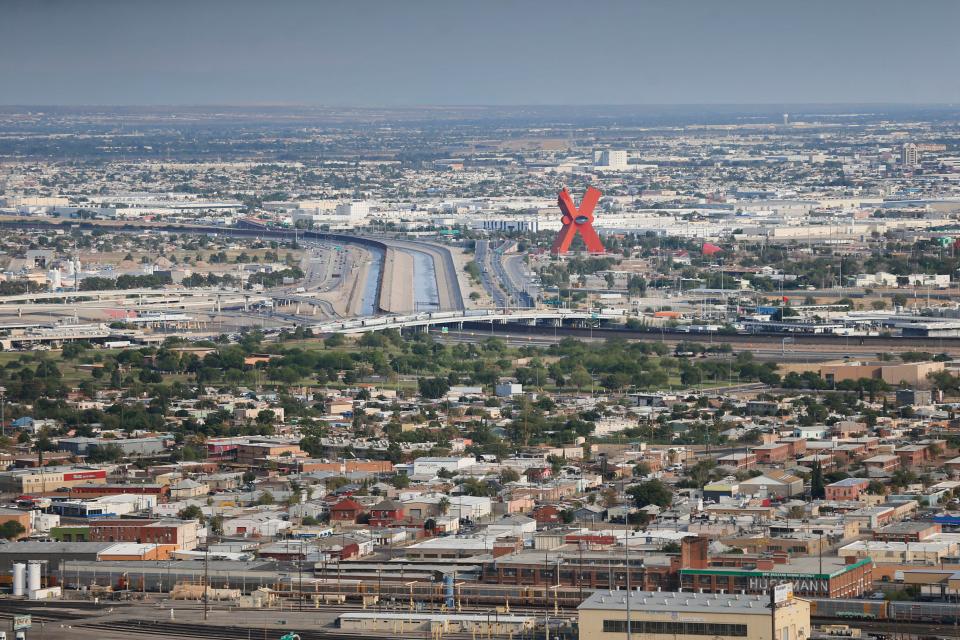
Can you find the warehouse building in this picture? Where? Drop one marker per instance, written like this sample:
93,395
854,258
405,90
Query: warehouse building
394,624
51,553
83,446
659,615
49,479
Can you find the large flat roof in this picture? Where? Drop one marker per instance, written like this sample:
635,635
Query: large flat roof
670,601
800,566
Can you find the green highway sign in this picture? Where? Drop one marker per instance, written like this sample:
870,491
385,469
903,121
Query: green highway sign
21,623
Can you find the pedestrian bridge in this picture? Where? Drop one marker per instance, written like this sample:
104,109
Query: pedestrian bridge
493,316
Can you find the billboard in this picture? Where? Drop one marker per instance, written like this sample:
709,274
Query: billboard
782,593
84,475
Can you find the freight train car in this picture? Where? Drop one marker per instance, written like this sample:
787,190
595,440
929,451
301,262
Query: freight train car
852,609
932,612
942,612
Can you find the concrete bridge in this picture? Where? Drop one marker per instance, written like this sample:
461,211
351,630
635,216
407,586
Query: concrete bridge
425,320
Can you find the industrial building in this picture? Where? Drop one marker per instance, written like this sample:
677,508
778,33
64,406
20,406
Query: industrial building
479,624
82,446
49,479
52,553
657,614
693,570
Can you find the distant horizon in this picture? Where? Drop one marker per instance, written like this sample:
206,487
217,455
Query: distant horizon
384,53
451,105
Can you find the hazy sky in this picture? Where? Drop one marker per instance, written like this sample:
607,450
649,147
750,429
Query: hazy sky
409,52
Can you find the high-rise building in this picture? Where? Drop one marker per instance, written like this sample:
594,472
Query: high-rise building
910,155
613,159
786,119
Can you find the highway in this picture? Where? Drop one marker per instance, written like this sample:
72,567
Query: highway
519,276
482,256
510,277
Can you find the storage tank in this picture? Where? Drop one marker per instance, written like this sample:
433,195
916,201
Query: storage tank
33,576
19,578
448,591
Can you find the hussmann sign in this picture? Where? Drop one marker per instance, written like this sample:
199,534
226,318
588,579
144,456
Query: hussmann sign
816,586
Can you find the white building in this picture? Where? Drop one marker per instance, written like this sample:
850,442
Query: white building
613,424
354,210
615,159
508,388
512,525
935,280
470,507
256,525
910,155
430,467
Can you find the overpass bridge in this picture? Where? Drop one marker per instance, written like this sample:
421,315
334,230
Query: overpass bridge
113,294
555,317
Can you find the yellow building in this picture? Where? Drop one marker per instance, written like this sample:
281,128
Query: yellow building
660,615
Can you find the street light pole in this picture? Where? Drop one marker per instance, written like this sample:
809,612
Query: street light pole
206,581
626,553
300,574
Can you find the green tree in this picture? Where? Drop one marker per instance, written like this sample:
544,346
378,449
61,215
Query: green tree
580,377
876,488
509,475
11,529
216,525
651,492
192,512
433,388
817,486
335,340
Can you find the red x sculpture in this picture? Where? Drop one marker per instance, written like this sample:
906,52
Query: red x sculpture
578,221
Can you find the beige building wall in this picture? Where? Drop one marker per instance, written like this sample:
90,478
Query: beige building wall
913,374
792,621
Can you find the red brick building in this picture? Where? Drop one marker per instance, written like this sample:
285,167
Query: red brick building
883,462
181,533
386,513
347,510
912,455
547,514
846,489
773,452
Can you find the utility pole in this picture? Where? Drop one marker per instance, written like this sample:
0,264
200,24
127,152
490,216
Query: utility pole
206,582
773,612
3,399
626,554
819,532
546,611
580,569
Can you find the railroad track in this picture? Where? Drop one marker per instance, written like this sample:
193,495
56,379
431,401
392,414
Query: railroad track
207,632
740,340
223,632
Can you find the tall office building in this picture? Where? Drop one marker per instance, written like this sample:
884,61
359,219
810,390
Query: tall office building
910,155
613,159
